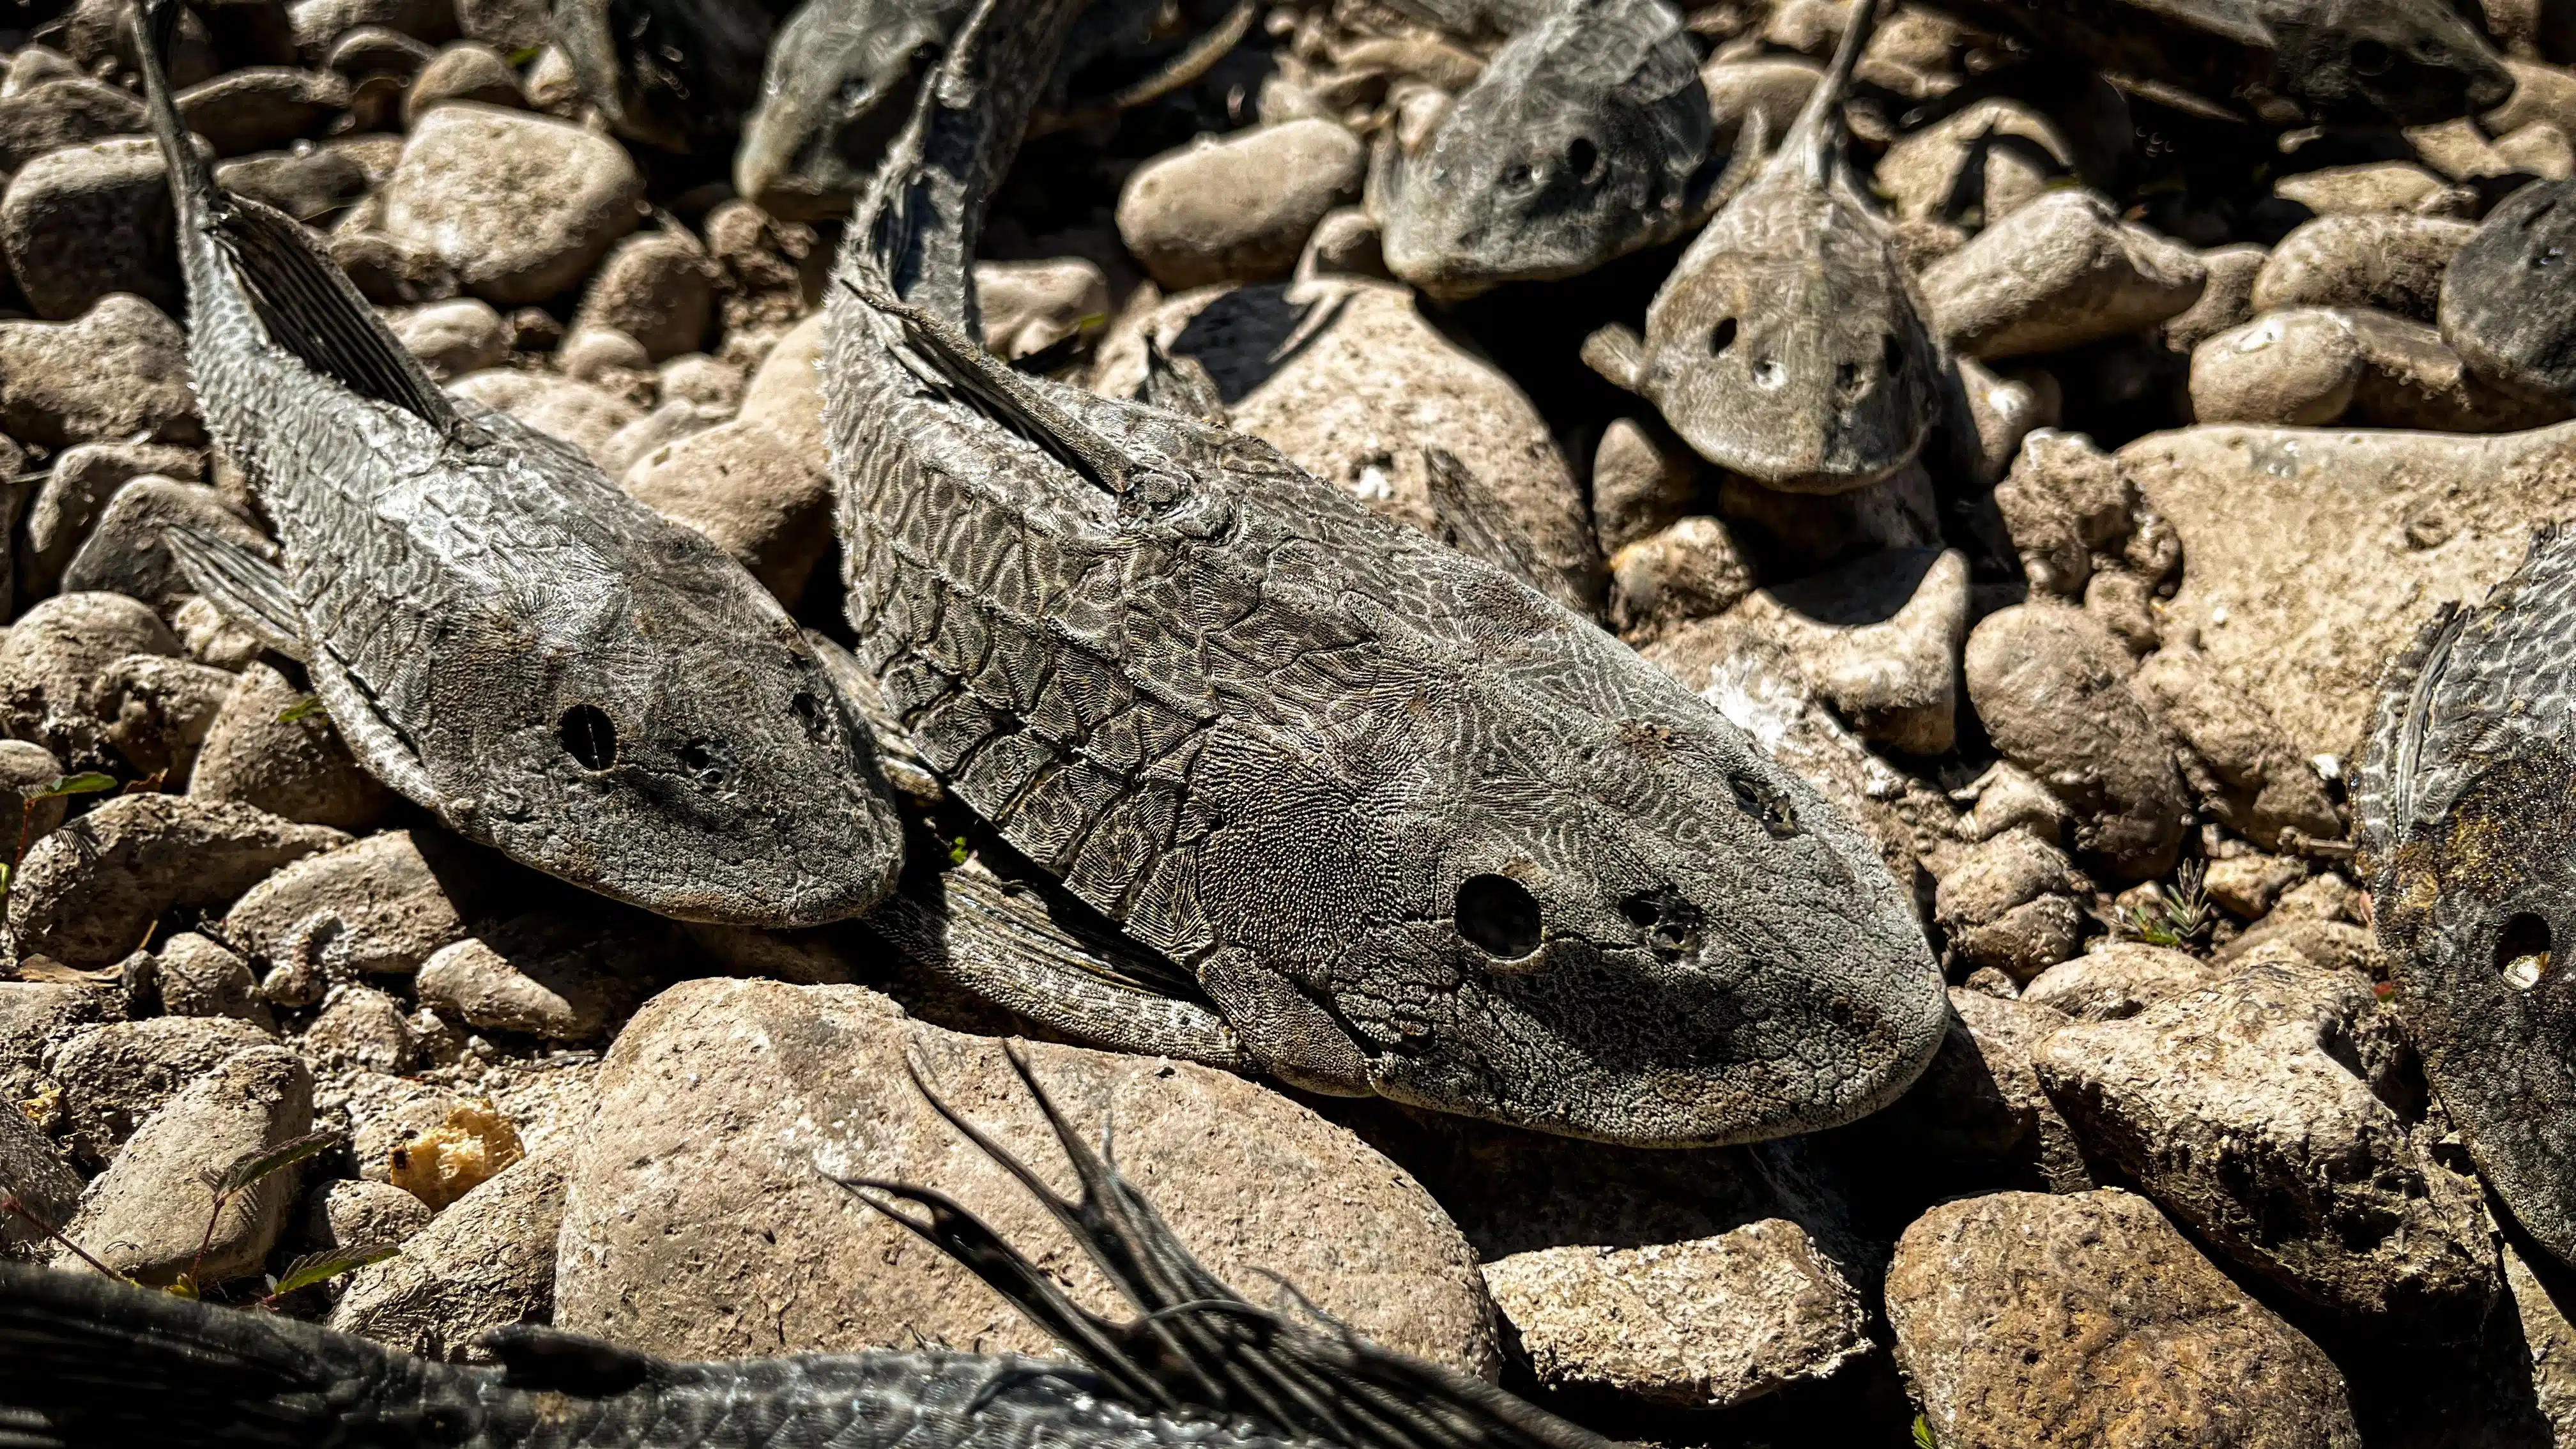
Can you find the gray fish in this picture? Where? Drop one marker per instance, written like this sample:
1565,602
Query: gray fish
2286,62
836,88
1787,345
87,1361
2467,805
1587,137
1410,826
500,632
673,74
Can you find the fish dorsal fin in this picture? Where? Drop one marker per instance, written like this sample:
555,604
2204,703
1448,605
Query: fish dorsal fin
1180,385
549,1360
311,309
1816,136
956,366
243,587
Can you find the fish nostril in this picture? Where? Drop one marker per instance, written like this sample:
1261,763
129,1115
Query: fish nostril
704,760
589,736
1769,375
1847,379
2370,58
2522,951
1891,353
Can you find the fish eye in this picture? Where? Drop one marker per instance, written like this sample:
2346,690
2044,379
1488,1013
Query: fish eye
1498,916
1722,338
1583,159
706,761
2522,951
2548,257
1891,353
1764,801
809,712
2371,58
589,736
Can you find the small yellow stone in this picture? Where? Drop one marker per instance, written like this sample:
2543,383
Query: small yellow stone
456,1156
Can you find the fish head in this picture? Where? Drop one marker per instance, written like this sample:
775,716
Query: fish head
1787,345
1566,895
837,86
2411,62
712,779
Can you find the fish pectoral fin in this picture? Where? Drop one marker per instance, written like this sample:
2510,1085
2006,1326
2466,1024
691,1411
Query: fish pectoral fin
549,1360
245,588
959,367
1619,355
1282,1027
312,309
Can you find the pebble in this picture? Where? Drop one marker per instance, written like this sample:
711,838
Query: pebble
462,72
76,491
1238,209
559,997
44,1183
84,222
2247,774
388,272
518,207
117,1074
658,288
375,50
359,1026
306,184
25,768
1709,1323
71,110
2008,798
1031,306
2027,1318
1775,88
2060,272
695,1240
34,1016
2008,903
2246,886
318,22
2503,308
89,892
2300,367
2117,980
2003,411
355,1213
127,551
297,769
485,1261
2393,263
2064,502
1994,157
2280,1146
674,420
456,337
1689,571
1879,639
785,394
2052,686
694,377
151,1215
748,491
200,977
55,651
118,371
375,907
2226,300
1644,480
260,107
579,413
608,359
1977,1115
2373,186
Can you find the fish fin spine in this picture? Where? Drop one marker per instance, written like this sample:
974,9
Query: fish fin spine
245,588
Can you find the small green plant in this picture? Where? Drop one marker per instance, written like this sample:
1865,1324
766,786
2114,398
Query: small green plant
1923,1434
2173,916
304,706
89,782
957,851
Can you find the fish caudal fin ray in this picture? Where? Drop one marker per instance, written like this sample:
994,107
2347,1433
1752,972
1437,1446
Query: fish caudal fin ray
1201,1346
312,309
245,588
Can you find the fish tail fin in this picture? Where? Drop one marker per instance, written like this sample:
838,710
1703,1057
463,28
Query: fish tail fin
1201,1344
1813,130
89,1360
192,183
244,588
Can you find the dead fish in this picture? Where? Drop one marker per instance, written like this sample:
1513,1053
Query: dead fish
674,74
501,633
2467,805
1787,345
2284,62
1587,137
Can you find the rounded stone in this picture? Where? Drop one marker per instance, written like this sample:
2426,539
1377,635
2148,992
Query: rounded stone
519,207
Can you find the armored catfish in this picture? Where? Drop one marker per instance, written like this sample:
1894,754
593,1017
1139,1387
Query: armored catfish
501,633
2468,825
835,89
1411,827
1787,344
1587,137
674,74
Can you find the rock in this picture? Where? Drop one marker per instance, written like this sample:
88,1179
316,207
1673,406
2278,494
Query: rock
2302,367
1237,209
785,393
213,640
388,272
2124,604
1977,1116
44,1183
507,26
298,769
2003,411
519,207
1347,242
2060,272
71,110
1690,571
306,184
463,72
256,108
34,1017
118,371
653,432
2551,1342
2052,687
1357,402
1773,87
147,1216
2496,309
560,998
115,1075
90,891
199,977
744,487
2315,557
487,1261
2412,379
378,907
77,491
2026,1318
2117,980
355,1213
1705,1324
374,51
2331,945
658,288
688,1239
2373,186
2064,501
24,769
2541,149
1644,480
1794,533
2245,886
362,1027
2007,798
455,338
52,655
2278,1144
2393,263
577,412
1989,159
128,552
2008,903
2247,774
694,377
319,22
607,358
2226,300
771,271
1031,306
1879,638
85,222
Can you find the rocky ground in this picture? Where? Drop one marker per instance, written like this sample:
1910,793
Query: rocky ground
2091,673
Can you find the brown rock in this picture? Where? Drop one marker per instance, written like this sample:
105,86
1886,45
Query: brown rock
296,768
486,1261
2393,263
750,492
1238,209
90,891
